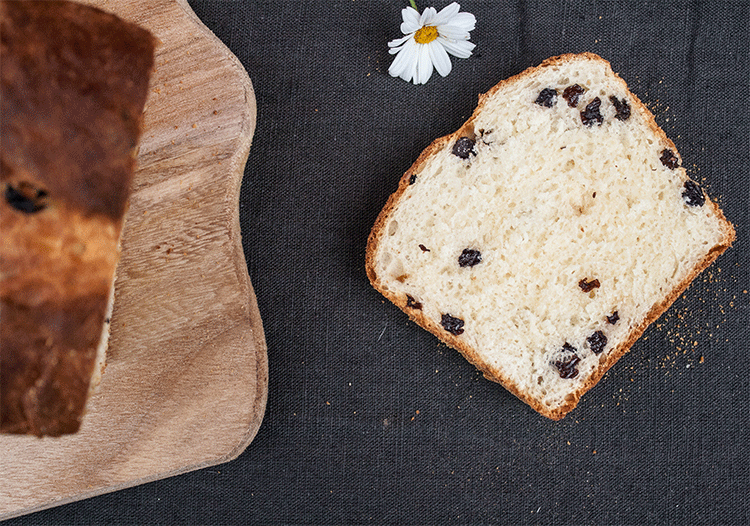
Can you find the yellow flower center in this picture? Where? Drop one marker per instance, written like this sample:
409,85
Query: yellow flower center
426,35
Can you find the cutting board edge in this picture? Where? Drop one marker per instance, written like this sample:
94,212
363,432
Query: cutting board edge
239,163
132,483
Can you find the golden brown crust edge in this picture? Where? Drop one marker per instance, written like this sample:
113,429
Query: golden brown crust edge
460,345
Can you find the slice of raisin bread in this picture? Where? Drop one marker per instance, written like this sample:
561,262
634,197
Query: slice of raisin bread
544,236
74,82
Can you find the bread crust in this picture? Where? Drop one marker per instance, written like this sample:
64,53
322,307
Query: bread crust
456,342
74,83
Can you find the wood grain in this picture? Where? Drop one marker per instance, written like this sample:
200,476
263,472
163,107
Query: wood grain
187,376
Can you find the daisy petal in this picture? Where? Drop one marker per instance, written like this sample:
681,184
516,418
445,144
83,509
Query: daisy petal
398,41
411,72
409,29
460,49
411,20
427,16
463,21
424,66
403,61
440,59
446,14
451,34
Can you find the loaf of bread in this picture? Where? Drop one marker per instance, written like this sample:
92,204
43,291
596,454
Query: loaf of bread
544,236
74,83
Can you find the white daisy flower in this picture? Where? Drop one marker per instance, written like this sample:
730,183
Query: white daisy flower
429,38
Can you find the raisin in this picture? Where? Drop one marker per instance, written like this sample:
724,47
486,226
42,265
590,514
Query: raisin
621,107
597,342
669,159
591,114
424,248
567,366
547,97
572,94
469,257
26,198
613,318
588,286
451,324
412,303
412,178
693,194
464,147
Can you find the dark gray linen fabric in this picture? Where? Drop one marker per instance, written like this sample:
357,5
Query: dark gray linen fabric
370,420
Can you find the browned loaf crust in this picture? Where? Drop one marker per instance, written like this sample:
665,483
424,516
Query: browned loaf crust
74,83
473,355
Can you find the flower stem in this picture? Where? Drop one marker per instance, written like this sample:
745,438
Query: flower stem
414,5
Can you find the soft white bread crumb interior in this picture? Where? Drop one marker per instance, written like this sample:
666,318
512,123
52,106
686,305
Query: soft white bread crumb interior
101,350
548,202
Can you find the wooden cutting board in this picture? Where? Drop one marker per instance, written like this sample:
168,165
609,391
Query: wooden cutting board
187,376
